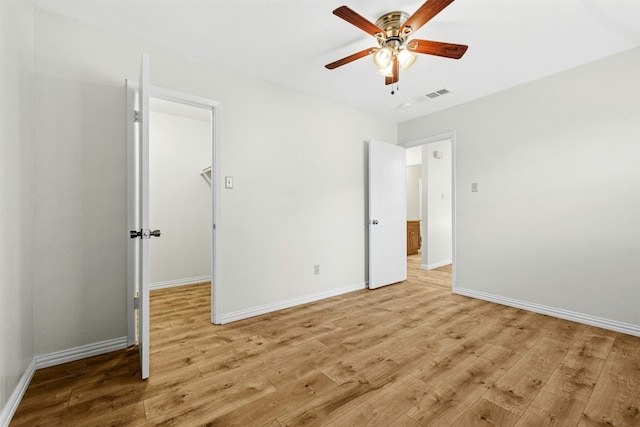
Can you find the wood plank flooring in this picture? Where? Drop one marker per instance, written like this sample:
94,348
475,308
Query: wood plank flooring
408,355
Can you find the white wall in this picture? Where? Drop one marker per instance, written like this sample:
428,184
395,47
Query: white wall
179,198
16,197
556,221
298,165
413,192
437,224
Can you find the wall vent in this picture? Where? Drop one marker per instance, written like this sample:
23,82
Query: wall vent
433,95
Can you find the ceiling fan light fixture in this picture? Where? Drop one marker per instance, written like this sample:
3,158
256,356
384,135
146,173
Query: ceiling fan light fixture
383,57
406,59
396,52
387,71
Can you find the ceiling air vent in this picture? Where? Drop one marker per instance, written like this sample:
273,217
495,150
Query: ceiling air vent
432,95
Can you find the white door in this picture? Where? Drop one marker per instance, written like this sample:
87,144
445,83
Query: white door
143,259
132,211
387,214
138,176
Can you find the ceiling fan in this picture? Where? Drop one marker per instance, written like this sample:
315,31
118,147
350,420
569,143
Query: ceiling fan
392,30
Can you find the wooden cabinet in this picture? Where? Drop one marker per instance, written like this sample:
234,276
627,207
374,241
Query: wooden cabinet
413,237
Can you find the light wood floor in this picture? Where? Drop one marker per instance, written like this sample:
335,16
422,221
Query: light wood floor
411,354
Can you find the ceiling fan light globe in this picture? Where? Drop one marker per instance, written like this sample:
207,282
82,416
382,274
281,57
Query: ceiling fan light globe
386,71
406,59
382,58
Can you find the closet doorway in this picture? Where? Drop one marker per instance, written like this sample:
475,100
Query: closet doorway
180,205
205,180
431,200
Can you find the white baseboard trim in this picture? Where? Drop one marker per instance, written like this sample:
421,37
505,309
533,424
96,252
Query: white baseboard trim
587,319
280,305
179,282
14,400
435,265
52,359
82,352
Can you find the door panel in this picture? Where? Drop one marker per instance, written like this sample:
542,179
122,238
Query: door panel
143,262
387,214
138,214
133,275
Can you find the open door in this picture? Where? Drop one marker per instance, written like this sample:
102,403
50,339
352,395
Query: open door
138,175
387,214
132,212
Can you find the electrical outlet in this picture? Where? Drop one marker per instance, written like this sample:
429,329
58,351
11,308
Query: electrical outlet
316,269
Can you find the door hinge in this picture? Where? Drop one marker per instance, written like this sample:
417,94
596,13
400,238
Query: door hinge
136,116
136,303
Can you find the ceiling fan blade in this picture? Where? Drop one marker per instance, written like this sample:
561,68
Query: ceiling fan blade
396,72
350,58
424,14
428,47
359,21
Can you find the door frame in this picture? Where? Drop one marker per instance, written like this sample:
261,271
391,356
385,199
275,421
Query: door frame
216,187
451,135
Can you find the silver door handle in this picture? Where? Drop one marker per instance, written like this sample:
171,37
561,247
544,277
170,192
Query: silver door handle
145,234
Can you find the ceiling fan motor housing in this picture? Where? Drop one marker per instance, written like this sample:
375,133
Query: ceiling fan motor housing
391,23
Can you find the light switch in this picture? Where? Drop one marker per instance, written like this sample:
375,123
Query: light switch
474,187
228,182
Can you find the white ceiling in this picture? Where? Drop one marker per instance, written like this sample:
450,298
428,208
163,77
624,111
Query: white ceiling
289,42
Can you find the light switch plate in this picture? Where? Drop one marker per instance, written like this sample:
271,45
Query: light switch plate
228,182
474,187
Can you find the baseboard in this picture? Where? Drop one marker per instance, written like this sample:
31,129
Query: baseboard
435,265
82,352
587,319
14,400
52,359
179,282
280,305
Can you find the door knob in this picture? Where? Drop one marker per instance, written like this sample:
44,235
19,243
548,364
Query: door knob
145,234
